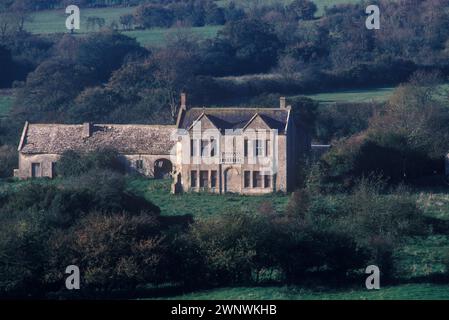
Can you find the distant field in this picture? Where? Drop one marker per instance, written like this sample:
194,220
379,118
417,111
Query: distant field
53,21
200,204
423,291
157,37
364,95
5,104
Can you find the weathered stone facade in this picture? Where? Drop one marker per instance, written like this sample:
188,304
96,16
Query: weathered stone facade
241,150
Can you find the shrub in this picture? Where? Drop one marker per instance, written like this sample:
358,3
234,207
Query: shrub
62,205
8,160
23,236
73,163
228,247
115,252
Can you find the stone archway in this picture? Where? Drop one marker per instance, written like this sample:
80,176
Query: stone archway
162,169
232,180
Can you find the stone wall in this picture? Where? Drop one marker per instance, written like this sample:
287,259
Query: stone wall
47,162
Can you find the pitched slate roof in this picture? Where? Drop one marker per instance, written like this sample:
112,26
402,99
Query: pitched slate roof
126,139
236,118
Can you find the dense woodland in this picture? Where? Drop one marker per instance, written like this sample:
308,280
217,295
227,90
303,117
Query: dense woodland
352,202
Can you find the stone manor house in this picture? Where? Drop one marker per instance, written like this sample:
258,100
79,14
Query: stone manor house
240,150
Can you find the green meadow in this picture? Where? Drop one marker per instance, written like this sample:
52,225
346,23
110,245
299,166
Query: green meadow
425,291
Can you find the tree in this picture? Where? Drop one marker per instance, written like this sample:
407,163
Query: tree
254,43
174,68
8,160
150,16
21,10
6,65
127,21
303,9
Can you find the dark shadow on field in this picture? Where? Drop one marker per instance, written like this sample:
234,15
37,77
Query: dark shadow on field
438,226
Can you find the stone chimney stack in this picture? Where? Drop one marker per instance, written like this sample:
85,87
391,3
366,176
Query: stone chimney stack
87,130
282,103
183,101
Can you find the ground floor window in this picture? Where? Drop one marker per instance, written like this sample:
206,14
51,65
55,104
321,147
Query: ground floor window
193,178
247,179
204,179
36,170
257,179
266,181
213,179
139,164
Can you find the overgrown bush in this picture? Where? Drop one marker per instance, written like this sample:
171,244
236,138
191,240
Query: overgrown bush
115,252
73,163
8,161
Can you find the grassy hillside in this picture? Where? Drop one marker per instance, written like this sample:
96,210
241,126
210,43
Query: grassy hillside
423,291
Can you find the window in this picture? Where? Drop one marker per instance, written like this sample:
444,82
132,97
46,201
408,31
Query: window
213,146
203,147
36,171
259,148
204,179
53,169
257,179
193,178
267,147
245,147
139,164
193,144
247,179
213,178
266,181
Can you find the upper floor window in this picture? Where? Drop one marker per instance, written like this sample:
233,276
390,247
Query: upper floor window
267,147
193,147
203,148
213,147
259,148
245,147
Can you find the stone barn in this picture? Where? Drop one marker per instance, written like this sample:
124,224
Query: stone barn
145,148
